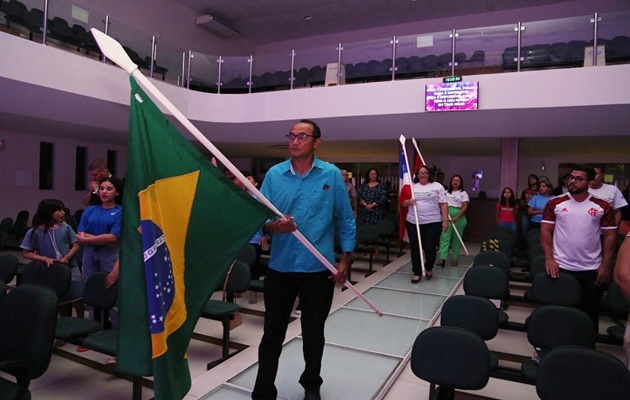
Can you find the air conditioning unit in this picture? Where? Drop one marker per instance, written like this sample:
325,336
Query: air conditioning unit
216,26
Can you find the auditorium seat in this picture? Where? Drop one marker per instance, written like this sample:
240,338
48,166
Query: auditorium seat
301,77
60,30
619,49
14,13
29,315
431,63
136,59
579,373
156,68
237,280
450,358
8,267
444,60
550,326
478,56
474,314
34,22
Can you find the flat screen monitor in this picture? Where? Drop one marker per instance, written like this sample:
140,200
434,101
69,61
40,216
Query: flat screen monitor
454,96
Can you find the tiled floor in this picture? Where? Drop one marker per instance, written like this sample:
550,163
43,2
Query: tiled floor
366,356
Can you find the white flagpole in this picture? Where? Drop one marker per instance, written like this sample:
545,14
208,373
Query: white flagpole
415,209
415,144
114,51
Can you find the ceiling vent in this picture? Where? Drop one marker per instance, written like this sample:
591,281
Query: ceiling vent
216,26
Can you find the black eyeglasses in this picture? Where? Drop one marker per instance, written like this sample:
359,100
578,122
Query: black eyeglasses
301,137
577,178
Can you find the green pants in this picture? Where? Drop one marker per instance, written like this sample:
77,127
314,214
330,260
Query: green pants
449,238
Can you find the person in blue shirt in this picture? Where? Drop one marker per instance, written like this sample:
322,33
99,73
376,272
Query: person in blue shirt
312,195
99,232
536,204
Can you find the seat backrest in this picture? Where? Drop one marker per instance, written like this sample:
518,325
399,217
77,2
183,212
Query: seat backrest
6,224
534,251
96,295
22,214
4,236
533,237
8,267
472,313
551,326
3,290
29,315
579,373
493,258
20,226
385,227
247,254
239,278
366,233
57,277
486,281
564,290
451,357
537,266
15,8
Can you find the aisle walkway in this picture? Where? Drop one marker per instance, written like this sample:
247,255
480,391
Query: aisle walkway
364,354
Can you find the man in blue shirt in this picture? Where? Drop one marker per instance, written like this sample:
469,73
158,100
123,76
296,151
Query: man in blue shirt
312,195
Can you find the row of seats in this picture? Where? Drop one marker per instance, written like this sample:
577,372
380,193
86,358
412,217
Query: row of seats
539,55
565,54
555,327
406,67
452,358
16,13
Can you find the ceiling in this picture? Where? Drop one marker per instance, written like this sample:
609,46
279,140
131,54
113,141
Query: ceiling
267,21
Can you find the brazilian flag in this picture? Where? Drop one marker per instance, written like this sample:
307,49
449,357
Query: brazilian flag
183,224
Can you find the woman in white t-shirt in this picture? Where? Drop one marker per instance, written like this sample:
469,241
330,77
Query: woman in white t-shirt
458,201
427,208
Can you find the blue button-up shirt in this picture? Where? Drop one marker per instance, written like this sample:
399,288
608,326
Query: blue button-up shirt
317,201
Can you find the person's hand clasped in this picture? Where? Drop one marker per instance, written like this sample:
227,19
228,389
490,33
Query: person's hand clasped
47,261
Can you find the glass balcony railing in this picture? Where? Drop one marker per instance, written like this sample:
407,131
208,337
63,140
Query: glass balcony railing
557,43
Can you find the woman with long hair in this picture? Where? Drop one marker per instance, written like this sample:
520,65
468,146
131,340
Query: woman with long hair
507,209
458,201
52,240
99,232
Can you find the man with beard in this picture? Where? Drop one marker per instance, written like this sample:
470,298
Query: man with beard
578,238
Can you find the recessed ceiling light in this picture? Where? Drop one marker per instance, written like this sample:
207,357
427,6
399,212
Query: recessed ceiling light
308,17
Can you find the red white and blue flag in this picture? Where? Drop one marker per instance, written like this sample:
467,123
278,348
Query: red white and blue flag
406,181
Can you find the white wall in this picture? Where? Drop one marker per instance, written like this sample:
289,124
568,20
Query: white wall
19,171
61,70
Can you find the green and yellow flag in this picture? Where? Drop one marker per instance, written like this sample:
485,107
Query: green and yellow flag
183,224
